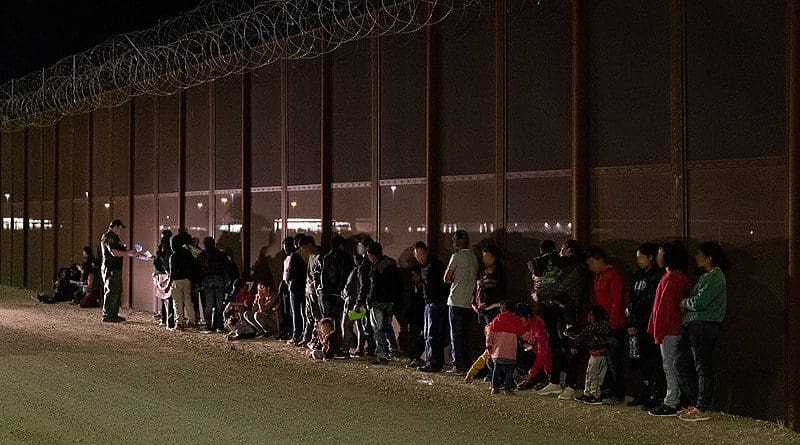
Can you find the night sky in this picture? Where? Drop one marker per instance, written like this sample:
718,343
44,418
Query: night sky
38,33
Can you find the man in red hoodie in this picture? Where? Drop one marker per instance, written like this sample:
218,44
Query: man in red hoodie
609,292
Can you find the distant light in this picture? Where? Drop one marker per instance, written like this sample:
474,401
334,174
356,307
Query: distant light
199,205
224,200
293,203
751,232
8,196
107,205
394,188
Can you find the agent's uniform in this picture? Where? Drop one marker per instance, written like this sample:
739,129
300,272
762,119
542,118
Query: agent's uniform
112,273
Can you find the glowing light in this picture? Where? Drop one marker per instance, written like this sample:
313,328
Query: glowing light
199,205
224,200
293,203
107,205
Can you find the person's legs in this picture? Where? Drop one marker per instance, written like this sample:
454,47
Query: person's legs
685,368
286,308
298,321
652,371
458,337
178,302
498,378
112,282
348,334
669,352
219,308
377,315
195,297
703,339
210,294
614,384
509,376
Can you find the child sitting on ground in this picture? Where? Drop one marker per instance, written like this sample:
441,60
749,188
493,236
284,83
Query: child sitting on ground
239,302
330,340
594,338
501,343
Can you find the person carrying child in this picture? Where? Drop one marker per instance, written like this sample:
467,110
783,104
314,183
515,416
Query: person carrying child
593,338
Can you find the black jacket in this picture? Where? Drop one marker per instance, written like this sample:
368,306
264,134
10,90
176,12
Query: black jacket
643,295
385,284
335,272
213,262
432,288
297,274
182,265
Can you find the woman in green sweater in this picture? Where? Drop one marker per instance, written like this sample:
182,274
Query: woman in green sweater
704,311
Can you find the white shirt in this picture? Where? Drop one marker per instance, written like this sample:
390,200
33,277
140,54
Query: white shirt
464,265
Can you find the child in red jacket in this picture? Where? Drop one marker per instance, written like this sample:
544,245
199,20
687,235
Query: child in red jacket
501,344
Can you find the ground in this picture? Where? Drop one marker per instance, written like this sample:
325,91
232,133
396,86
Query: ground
69,378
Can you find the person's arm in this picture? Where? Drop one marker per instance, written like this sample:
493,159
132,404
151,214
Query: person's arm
450,273
704,292
617,288
90,280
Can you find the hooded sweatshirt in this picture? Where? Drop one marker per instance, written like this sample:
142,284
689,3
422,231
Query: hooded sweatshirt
504,332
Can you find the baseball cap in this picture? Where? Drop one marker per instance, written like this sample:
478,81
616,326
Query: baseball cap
116,223
461,235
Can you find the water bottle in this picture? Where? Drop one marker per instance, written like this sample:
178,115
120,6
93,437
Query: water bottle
633,346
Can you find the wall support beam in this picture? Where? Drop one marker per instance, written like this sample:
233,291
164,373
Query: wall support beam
581,199
500,120
247,172
792,327
677,115
432,186
326,172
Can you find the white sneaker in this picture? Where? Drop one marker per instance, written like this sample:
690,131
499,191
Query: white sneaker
567,394
550,389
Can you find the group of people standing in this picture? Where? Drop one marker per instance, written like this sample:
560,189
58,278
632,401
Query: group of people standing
341,303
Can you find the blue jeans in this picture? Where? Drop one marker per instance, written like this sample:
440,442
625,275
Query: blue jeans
694,363
297,298
459,332
503,375
214,292
380,315
434,344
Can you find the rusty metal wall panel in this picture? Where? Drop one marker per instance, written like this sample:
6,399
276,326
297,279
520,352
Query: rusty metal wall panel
265,103
305,111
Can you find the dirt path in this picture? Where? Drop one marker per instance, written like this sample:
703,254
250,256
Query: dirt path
68,378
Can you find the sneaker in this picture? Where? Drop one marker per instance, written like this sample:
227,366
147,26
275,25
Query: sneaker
487,379
495,391
592,400
428,369
110,320
695,415
414,363
380,361
686,410
208,331
550,389
567,394
451,370
219,331
120,319
663,411
582,397
525,385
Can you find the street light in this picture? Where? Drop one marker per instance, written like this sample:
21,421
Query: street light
224,200
199,205
107,205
